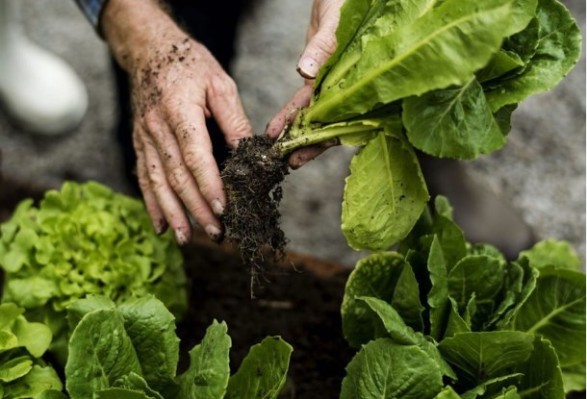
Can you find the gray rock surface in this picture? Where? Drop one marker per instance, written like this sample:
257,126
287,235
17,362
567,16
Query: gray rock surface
541,171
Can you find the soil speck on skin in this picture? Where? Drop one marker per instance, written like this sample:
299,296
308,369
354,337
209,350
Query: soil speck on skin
252,177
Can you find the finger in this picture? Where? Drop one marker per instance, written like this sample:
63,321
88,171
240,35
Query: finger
226,107
193,171
321,44
153,209
168,201
288,112
195,148
304,155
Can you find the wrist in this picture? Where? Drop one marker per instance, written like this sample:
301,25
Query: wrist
134,29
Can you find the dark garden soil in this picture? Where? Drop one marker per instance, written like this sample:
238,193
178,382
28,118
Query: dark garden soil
298,299
252,177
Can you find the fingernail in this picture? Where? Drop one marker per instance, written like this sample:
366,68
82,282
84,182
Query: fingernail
308,67
180,237
217,207
214,232
159,226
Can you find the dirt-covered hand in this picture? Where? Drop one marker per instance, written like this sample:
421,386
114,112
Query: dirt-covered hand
320,44
176,84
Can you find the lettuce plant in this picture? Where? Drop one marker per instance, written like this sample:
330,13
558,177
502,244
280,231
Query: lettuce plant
86,239
131,351
441,76
443,318
23,374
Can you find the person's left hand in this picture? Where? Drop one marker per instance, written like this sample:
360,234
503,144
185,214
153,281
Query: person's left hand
320,44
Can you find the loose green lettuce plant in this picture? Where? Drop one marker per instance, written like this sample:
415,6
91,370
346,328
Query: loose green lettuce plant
443,318
442,77
23,374
86,239
131,351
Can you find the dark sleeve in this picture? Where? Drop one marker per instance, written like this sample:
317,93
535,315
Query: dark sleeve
92,9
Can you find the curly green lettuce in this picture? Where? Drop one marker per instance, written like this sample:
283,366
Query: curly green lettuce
23,374
86,239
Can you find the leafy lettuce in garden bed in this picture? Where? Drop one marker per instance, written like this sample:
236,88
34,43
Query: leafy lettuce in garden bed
86,239
463,321
23,374
131,351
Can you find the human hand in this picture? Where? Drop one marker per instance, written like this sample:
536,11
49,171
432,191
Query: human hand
176,84
320,44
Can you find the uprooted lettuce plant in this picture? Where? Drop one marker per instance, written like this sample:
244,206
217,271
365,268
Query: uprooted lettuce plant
442,318
442,77
85,239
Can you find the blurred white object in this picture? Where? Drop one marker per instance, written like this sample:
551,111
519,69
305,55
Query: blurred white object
39,91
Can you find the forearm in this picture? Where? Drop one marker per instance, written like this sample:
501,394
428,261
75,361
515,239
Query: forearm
134,29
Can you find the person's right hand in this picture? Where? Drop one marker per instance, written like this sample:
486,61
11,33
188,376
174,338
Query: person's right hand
176,84
320,44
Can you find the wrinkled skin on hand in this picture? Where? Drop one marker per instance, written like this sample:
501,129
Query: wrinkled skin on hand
174,90
176,85
320,44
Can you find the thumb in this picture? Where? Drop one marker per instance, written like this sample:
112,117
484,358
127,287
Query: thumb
319,48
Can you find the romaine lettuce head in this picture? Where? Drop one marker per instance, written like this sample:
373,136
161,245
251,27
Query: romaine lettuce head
86,239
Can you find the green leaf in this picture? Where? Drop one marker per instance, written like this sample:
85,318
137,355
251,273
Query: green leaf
375,276
392,322
120,393
574,377
135,382
263,371
384,195
553,253
502,63
447,393
509,393
81,307
13,260
151,329
451,237
51,394
456,324
476,274
519,283
392,67
542,374
35,337
453,123
207,376
367,21
406,299
524,43
100,352
8,314
401,334
492,386
38,380
556,310
15,368
478,357
383,369
557,52
438,294
7,341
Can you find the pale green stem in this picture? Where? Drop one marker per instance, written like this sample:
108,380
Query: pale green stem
320,135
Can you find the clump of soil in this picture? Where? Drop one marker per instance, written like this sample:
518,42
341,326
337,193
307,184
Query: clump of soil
252,177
